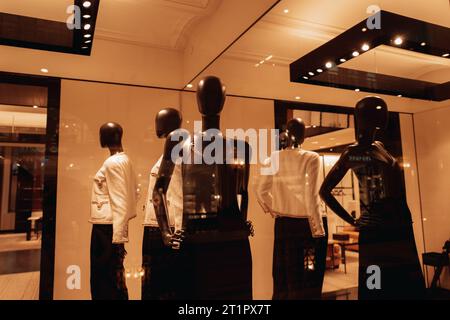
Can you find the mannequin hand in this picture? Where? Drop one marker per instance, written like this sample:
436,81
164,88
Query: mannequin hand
167,239
176,239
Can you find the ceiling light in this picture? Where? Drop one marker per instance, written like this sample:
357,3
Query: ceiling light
364,29
319,70
190,86
269,57
44,70
257,65
87,4
445,55
423,44
379,107
357,90
398,41
88,41
355,53
286,11
297,98
343,60
311,73
84,47
35,107
261,62
399,96
87,16
329,64
87,26
365,47
87,36
305,77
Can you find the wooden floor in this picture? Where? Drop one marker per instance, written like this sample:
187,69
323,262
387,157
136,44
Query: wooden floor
19,286
337,279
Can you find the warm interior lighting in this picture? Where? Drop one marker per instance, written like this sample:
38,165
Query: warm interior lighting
311,73
445,55
357,90
305,77
423,44
329,64
88,41
190,86
35,107
399,96
342,60
286,11
398,41
87,36
364,29
355,53
319,70
87,26
379,107
365,47
84,47
297,98
44,70
87,16
269,57
87,4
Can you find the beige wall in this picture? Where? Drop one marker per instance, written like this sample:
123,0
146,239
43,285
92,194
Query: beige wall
433,152
84,108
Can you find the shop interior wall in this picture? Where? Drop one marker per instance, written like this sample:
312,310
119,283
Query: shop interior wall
433,153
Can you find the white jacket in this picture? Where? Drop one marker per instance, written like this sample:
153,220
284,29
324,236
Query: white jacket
114,195
174,198
293,189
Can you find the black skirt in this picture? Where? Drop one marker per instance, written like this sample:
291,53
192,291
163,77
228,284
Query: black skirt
298,260
393,250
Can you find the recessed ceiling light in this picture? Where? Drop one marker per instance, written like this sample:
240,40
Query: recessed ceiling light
88,41
297,98
364,29
398,41
190,86
269,57
329,64
257,65
305,77
261,62
379,107
87,4
355,53
423,44
35,107
286,11
87,16
319,70
87,36
365,47
87,26
357,90
445,55
44,70
311,73
399,96
84,47
343,60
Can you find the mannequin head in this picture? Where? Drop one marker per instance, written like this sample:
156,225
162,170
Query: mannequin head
166,121
210,99
371,115
296,130
111,135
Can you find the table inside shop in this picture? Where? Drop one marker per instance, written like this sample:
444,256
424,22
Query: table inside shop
343,244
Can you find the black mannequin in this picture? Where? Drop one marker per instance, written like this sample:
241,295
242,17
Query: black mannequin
107,270
295,247
158,261
386,237
214,225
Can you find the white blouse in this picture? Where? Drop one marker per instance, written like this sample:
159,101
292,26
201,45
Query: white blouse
114,195
174,198
292,188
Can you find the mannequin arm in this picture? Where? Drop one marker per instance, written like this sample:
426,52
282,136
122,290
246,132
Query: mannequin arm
336,174
160,192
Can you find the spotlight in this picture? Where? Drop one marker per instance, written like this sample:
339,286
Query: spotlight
329,64
286,11
44,70
357,90
87,26
297,98
88,41
364,29
445,55
311,73
423,44
365,47
343,60
87,36
35,107
379,107
355,53
305,77
87,16
398,41
84,47
319,70
399,96
190,86
87,4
